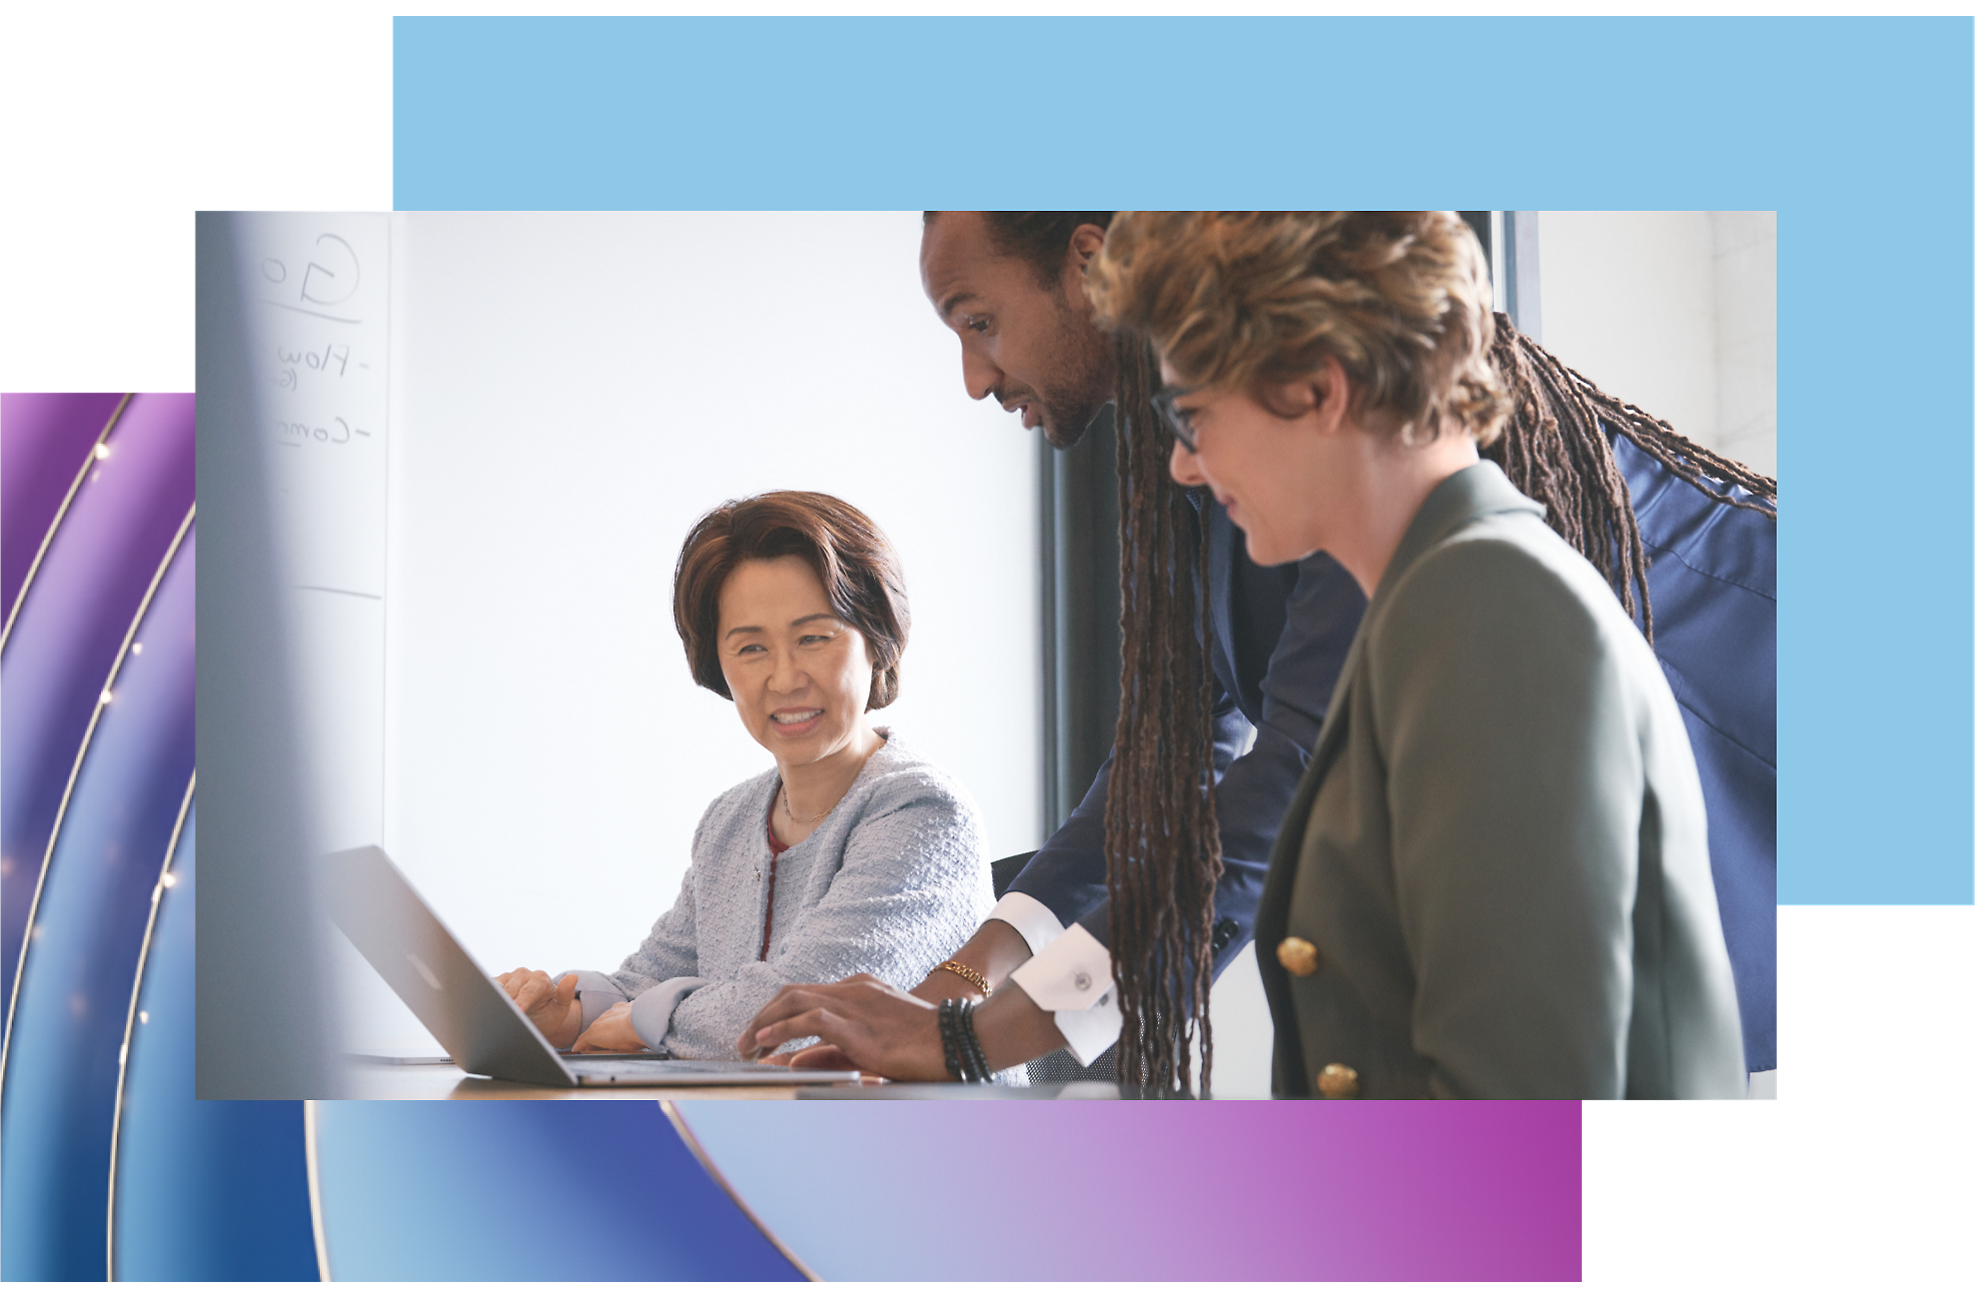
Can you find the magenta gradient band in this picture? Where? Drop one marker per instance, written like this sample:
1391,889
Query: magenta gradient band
1111,1190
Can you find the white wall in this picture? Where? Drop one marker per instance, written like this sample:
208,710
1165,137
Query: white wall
1745,337
569,392
1674,312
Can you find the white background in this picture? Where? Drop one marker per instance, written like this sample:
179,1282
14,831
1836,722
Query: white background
121,120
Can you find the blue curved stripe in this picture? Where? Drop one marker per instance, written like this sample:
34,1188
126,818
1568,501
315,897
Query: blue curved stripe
62,1062
546,1190
70,628
205,1189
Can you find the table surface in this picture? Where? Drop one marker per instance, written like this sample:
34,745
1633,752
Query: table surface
435,1081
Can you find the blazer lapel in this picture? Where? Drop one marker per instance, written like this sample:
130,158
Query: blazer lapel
1330,741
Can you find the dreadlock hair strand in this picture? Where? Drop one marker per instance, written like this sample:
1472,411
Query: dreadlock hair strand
1554,449
1162,841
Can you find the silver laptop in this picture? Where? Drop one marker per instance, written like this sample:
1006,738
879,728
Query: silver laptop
479,1024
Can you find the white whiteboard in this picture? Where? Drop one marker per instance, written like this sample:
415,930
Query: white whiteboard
318,298
318,289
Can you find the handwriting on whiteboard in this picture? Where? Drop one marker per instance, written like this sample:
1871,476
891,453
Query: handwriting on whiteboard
337,433
331,360
324,286
319,287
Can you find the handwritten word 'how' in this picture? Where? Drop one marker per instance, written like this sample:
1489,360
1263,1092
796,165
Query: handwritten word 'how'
331,359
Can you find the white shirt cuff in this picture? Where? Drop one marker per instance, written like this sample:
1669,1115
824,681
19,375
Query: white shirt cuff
1036,922
1072,980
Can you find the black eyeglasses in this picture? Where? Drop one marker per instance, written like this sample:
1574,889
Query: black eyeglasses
1164,401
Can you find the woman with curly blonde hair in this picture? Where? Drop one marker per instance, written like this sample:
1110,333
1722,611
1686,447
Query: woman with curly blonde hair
1494,879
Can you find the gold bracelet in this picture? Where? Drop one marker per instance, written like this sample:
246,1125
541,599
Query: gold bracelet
954,966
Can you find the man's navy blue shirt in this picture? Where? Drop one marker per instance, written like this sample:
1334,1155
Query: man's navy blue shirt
1279,639
1712,578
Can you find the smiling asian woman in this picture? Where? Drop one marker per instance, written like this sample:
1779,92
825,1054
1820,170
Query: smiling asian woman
852,855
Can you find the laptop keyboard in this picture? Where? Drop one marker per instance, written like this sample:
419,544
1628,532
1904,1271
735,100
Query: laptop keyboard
671,1067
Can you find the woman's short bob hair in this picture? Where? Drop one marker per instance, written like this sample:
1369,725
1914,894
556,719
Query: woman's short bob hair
859,570
1242,300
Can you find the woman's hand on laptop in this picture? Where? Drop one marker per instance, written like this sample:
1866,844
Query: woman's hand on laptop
552,1006
612,1031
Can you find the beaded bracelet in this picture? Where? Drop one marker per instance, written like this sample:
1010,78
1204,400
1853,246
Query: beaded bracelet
963,1050
971,1042
949,1041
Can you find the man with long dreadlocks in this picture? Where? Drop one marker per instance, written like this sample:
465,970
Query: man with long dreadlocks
1153,882
1010,285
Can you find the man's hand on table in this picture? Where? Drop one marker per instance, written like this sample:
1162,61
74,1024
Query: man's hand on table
869,1025
865,1023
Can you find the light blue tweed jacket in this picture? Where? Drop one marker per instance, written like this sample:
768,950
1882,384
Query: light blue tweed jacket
891,882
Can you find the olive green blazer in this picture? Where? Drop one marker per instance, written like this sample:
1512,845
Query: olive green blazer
1495,871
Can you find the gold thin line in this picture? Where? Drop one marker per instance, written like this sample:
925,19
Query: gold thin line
130,1018
62,812
20,596
692,1142
315,1191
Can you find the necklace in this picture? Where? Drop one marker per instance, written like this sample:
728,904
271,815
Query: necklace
806,820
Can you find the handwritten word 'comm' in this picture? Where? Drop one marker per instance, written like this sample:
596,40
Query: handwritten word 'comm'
293,433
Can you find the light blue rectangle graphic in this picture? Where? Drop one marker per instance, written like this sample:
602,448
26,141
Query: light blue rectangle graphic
1857,132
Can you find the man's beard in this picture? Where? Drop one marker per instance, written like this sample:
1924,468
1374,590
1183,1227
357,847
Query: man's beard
1064,423
1073,397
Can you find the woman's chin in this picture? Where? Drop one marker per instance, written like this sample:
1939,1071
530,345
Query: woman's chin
1265,553
1268,551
